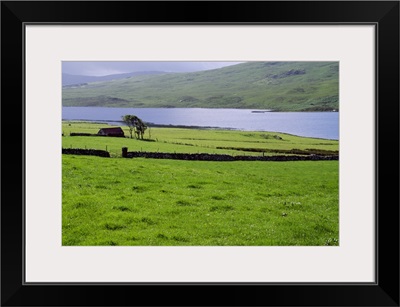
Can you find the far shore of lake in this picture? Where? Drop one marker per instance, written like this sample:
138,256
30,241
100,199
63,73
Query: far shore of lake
323,125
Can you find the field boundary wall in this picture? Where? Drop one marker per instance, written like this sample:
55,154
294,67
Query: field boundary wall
86,152
219,157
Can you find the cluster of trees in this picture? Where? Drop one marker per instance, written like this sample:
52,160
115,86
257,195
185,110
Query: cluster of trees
136,125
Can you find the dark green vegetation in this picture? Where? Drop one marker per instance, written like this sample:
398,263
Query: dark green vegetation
150,202
280,86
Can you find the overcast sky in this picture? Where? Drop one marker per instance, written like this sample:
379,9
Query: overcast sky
94,68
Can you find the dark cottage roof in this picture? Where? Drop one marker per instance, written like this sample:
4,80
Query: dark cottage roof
108,131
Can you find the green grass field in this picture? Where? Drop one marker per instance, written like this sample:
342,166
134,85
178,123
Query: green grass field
151,202
186,140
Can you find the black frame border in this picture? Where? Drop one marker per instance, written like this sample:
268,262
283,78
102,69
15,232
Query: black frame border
383,14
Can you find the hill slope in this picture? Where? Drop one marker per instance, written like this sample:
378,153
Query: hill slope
68,79
280,86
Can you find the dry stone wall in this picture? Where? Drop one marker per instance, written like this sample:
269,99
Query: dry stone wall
86,152
219,157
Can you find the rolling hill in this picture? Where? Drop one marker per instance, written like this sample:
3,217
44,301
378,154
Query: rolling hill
279,86
71,80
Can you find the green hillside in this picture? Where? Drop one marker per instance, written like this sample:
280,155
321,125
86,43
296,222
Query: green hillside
280,86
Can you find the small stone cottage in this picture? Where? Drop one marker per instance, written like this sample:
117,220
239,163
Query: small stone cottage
115,132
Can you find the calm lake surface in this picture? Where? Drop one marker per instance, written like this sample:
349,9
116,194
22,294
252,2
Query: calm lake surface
310,124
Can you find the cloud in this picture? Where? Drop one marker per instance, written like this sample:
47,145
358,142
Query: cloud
96,68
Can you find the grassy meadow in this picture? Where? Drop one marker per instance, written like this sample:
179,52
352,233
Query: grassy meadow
186,140
160,202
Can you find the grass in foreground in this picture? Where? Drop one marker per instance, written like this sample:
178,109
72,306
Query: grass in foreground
145,202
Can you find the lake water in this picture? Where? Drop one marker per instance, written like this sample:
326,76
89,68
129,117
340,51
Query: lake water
310,124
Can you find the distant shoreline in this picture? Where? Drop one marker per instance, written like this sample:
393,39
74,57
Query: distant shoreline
151,125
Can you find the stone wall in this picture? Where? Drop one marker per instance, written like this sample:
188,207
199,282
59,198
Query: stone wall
81,134
218,157
86,152
91,134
